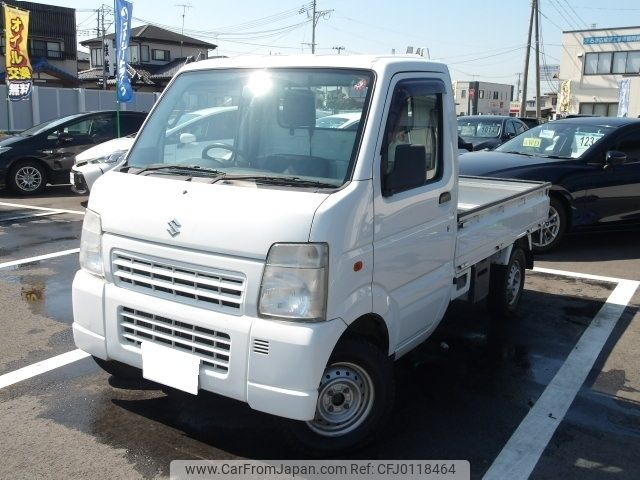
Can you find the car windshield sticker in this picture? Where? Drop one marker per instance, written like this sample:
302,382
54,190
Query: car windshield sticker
531,142
582,141
547,133
488,131
468,131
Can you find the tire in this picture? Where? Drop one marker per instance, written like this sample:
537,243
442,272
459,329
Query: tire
364,374
552,232
27,177
118,369
507,283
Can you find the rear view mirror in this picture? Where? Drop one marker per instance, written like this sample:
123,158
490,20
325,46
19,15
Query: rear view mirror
615,158
409,169
298,109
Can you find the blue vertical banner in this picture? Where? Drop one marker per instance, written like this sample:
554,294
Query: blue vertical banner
124,92
623,97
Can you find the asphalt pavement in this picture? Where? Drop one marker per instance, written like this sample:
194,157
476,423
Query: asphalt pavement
470,392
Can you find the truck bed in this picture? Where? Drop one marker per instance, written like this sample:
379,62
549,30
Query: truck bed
493,213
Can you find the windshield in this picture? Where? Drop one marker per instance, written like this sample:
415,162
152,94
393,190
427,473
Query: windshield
556,139
479,128
257,123
47,125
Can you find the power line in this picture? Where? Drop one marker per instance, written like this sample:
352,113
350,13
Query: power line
562,14
576,14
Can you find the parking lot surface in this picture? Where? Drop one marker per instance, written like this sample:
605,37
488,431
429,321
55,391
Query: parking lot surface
464,394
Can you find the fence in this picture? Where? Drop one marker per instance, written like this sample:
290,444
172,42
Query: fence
47,103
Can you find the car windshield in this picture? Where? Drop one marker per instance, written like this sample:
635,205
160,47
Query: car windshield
257,124
556,139
37,129
479,128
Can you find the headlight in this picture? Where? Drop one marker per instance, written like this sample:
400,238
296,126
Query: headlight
91,243
294,282
4,149
111,158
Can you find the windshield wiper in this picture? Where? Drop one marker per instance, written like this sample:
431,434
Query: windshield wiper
517,153
275,180
555,156
181,169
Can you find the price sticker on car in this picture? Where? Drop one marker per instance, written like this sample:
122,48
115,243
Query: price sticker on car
531,142
547,134
584,141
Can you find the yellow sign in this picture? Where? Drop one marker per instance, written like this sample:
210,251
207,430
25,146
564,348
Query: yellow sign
18,67
564,98
531,142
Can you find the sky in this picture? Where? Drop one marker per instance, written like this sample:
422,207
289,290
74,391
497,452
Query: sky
479,40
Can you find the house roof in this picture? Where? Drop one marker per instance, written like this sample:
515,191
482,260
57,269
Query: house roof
43,66
156,34
145,74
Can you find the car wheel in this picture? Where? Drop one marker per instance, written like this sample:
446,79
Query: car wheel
507,283
27,178
118,369
355,398
552,230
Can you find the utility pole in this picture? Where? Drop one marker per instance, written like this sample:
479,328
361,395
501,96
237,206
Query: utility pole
523,105
535,2
339,49
104,57
519,74
315,16
184,11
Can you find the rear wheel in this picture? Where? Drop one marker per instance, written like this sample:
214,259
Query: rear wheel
355,398
553,229
27,178
118,369
507,283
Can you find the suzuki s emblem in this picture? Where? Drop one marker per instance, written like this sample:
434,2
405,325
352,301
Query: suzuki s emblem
174,227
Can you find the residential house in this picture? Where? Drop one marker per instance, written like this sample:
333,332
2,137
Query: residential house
155,54
51,45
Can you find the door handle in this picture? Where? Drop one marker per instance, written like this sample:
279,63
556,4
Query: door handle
444,197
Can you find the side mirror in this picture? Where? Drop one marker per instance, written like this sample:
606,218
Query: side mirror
409,170
187,138
509,135
615,158
65,137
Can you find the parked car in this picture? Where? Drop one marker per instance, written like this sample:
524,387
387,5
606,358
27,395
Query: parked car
488,131
343,121
593,163
45,153
96,161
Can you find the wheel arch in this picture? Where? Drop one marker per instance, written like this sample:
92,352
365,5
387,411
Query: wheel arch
371,327
566,199
37,160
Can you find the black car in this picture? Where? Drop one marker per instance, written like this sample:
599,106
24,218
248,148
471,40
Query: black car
529,122
488,131
45,153
592,162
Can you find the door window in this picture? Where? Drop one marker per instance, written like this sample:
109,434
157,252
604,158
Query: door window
510,128
415,118
630,144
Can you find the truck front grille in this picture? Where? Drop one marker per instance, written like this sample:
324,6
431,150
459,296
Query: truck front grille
201,287
213,347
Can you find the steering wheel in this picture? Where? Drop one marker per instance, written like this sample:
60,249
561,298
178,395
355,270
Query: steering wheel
224,146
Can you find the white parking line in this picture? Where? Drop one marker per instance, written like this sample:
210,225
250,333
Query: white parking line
586,276
23,217
41,367
46,209
522,452
46,256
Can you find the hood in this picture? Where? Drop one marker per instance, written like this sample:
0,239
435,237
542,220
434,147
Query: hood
105,148
11,139
242,221
482,143
499,164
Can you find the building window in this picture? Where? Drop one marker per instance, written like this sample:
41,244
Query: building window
481,94
133,54
495,95
463,94
160,55
599,109
96,57
47,49
612,62
144,52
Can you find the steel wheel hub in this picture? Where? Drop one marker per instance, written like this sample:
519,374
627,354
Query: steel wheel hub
549,231
28,178
514,280
345,398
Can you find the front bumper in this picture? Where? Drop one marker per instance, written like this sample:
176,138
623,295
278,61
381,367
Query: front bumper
83,177
280,379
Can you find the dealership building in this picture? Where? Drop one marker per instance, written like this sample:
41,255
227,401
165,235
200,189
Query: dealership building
600,71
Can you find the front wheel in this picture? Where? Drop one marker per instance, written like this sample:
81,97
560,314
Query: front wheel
355,398
553,229
27,178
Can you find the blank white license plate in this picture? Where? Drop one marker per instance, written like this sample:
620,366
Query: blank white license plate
170,367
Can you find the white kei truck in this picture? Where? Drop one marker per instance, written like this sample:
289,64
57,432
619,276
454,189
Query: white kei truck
285,261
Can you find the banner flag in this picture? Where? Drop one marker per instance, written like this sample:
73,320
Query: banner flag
19,75
123,32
